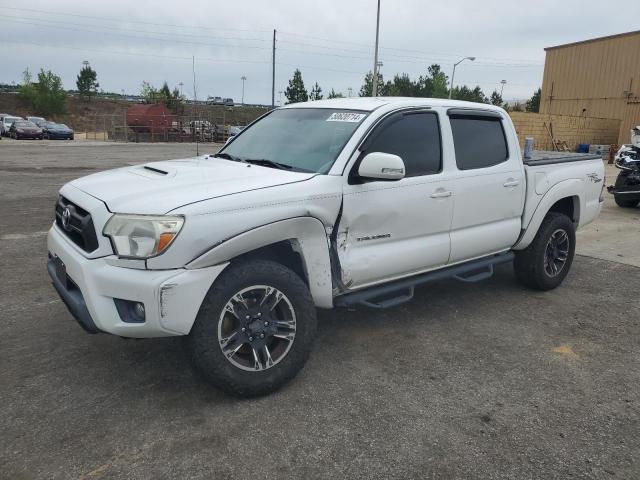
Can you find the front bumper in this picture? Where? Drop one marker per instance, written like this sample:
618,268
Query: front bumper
171,298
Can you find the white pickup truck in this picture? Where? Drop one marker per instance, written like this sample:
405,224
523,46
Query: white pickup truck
322,204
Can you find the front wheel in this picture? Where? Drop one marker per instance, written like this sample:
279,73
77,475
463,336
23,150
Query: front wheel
625,203
545,263
255,329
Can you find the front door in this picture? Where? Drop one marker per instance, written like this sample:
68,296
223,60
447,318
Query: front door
391,229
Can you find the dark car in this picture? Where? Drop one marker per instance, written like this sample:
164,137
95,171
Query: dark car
23,129
56,131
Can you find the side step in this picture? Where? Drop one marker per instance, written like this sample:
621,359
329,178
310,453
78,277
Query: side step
401,291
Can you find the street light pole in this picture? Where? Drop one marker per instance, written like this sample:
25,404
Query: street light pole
243,78
503,82
454,72
374,91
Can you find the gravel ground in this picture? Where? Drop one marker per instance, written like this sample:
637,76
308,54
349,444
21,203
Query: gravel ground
487,380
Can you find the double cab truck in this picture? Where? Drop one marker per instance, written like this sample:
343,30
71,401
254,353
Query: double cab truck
325,204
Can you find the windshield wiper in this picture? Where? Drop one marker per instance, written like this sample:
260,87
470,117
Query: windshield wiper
269,163
233,158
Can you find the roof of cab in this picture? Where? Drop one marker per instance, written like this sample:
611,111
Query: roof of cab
372,103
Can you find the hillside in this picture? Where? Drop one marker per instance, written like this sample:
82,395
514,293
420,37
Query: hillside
82,115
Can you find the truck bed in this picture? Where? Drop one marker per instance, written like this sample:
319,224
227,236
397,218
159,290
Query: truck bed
542,157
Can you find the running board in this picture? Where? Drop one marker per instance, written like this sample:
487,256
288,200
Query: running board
401,291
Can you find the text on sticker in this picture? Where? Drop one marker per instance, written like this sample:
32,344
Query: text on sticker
345,117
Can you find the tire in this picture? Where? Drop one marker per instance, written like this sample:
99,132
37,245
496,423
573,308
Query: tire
625,203
532,265
237,373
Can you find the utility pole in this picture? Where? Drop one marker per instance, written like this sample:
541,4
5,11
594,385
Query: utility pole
243,78
180,85
195,102
273,73
374,92
503,82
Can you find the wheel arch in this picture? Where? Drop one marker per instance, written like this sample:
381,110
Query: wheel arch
300,244
564,197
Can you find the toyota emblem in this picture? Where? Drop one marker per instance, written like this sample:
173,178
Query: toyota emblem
66,217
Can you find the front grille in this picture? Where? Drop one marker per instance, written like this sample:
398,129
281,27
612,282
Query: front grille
79,227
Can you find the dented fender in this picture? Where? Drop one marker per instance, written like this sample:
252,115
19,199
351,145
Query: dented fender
308,237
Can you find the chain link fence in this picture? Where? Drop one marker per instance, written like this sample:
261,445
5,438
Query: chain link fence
203,127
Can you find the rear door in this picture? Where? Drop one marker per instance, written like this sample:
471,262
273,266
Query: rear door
391,229
489,188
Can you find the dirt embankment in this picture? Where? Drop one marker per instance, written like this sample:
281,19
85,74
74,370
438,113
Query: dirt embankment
83,115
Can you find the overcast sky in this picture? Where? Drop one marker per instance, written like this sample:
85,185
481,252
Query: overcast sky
331,41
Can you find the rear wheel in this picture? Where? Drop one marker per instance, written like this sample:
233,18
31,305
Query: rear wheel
625,203
255,329
545,263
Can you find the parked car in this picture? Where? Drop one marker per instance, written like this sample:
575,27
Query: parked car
332,203
235,130
23,129
7,121
2,115
229,102
56,131
36,120
626,191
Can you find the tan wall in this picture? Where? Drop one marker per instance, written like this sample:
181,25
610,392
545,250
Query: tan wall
591,78
573,130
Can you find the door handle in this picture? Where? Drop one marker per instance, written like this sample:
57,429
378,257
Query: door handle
441,194
511,183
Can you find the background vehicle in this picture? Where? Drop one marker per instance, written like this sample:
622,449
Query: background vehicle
626,190
2,115
36,120
56,131
320,204
23,129
7,121
229,102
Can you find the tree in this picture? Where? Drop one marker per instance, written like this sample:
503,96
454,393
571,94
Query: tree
87,82
367,87
496,99
465,93
334,94
148,92
296,92
316,92
533,104
515,107
434,85
401,86
47,96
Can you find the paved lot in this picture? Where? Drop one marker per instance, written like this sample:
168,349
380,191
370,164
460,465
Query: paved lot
467,381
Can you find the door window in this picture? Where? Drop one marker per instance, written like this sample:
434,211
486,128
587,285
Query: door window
479,142
414,137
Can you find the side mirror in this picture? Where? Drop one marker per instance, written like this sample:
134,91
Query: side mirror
381,166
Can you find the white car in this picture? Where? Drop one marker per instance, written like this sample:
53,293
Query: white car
7,121
316,205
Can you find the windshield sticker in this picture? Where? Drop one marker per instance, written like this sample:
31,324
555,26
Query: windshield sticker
346,117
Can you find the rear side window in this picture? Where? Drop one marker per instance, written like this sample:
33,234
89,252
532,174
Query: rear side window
479,142
414,137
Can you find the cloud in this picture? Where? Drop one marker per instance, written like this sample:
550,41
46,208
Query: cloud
330,41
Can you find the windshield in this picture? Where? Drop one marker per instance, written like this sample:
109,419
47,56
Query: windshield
305,139
25,124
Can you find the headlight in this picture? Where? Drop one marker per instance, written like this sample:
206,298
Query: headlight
142,236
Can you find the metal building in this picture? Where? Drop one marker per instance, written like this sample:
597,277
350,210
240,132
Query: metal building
599,77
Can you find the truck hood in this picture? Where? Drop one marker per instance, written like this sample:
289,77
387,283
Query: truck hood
159,187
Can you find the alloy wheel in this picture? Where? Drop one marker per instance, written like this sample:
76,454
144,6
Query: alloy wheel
257,328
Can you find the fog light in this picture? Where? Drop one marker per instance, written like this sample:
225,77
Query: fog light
130,311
